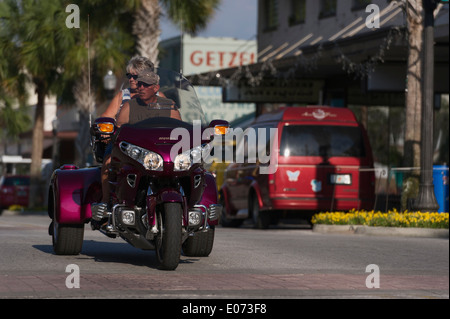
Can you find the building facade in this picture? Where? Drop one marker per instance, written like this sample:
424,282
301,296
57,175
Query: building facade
338,53
195,55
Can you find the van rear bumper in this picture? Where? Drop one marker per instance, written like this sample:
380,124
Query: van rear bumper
323,204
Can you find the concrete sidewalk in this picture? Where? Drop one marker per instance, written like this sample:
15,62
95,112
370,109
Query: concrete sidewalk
382,231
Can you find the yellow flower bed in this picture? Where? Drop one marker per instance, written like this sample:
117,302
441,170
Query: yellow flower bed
391,219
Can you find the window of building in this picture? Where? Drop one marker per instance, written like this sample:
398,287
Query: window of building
270,14
327,8
360,4
298,9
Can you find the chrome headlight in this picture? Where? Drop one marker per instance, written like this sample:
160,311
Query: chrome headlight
185,160
150,160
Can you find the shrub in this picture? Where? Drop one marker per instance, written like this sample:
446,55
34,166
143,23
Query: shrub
391,219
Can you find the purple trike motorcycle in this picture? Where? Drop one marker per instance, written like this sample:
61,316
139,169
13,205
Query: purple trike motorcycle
161,195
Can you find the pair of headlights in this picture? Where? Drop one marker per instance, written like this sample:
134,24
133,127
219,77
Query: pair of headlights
153,161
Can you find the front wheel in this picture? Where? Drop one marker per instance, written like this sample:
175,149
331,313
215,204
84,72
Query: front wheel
168,240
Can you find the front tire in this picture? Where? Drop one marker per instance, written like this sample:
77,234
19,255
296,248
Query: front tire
168,240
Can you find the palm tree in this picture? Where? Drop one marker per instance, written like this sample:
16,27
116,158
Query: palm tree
105,46
34,43
39,50
14,118
190,15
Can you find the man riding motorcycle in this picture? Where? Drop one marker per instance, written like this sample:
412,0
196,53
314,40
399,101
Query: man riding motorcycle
147,105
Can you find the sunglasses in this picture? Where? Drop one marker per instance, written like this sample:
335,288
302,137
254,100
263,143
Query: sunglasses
134,76
146,85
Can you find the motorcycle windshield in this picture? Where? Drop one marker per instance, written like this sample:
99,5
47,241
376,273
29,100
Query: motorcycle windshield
177,93
176,99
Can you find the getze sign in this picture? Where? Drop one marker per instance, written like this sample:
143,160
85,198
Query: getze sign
215,60
276,91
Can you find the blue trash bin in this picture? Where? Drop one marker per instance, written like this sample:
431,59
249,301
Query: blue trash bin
440,181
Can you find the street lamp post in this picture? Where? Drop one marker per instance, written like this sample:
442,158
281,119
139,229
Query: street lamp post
426,200
109,84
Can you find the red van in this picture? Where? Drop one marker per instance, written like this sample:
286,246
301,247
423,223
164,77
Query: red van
322,161
14,190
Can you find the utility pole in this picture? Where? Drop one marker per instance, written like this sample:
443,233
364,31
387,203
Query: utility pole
426,200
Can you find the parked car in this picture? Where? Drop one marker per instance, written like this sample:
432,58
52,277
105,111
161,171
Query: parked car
14,190
220,162
322,161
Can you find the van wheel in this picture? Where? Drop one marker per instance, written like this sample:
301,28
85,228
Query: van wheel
261,219
224,220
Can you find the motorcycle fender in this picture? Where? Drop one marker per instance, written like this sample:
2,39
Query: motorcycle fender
166,196
74,190
210,192
170,197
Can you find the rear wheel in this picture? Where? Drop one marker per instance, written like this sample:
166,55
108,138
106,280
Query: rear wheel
168,240
199,245
66,239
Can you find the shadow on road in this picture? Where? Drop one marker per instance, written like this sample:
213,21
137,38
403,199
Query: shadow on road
117,252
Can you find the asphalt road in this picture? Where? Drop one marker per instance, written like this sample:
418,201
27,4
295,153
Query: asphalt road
285,262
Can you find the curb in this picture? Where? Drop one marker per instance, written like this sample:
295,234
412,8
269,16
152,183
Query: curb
382,231
8,212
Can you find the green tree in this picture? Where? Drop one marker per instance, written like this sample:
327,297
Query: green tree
33,43
14,118
190,15
101,43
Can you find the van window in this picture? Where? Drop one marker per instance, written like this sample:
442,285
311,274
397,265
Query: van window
17,181
321,140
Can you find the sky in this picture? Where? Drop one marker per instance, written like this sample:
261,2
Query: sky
234,18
